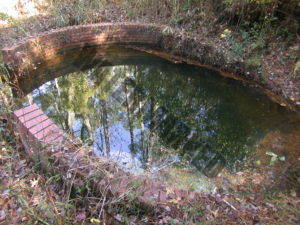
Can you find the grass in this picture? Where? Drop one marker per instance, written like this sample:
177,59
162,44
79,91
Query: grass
68,192
31,195
26,197
86,12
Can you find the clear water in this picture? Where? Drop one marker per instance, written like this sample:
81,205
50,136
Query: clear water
179,123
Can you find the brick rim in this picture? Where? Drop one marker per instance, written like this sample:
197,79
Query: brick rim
23,55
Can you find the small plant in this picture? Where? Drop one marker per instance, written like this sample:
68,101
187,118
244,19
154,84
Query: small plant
255,61
76,12
236,46
274,158
297,69
12,21
193,214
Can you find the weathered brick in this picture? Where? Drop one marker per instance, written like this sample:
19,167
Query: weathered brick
37,120
162,196
39,126
54,41
30,116
54,137
45,132
26,110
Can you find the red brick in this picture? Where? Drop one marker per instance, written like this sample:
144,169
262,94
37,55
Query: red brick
30,116
162,196
26,110
39,126
45,132
37,120
61,140
53,137
153,193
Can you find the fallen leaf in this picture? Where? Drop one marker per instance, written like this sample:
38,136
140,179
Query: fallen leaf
94,220
34,182
2,215
21,164
169,190
110,175
81,216
35,201
215,213
175,201
240,173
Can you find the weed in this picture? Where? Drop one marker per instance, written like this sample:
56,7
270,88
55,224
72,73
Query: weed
76,12
256,23
14,22
192,214
297,69
135,183
254,61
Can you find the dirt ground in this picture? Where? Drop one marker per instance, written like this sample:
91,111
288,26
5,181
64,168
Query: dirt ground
27,196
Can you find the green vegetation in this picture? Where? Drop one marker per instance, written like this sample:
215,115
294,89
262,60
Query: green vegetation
262,33
258,27
16,23
74,12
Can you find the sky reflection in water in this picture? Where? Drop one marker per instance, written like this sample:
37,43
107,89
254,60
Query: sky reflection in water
154,116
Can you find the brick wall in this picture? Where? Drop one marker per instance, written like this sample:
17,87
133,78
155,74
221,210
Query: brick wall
48,44
175,44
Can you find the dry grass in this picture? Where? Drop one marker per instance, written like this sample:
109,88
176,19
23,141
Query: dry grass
58,194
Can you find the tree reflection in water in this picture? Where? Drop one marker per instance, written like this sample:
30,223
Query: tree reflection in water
150,116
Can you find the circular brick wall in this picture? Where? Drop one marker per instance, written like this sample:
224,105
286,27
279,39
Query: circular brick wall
24,54
164,41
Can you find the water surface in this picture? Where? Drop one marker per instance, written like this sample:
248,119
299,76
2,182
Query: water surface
173,121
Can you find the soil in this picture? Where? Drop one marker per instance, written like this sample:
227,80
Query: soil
277,65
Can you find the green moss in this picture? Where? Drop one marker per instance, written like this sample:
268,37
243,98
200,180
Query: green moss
254,61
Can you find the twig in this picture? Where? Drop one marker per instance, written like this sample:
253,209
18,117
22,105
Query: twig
231,206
